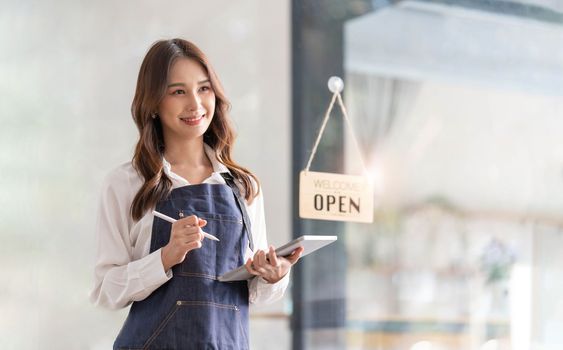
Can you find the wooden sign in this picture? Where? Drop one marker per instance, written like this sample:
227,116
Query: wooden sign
327,196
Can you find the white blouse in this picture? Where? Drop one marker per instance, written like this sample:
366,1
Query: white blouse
125,271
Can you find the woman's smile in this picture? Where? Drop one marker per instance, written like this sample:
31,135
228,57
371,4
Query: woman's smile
192,121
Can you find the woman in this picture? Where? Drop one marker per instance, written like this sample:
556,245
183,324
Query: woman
183,168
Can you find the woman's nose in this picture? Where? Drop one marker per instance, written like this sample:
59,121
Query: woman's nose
193,101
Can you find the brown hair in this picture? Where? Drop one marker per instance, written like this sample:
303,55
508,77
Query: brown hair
151,87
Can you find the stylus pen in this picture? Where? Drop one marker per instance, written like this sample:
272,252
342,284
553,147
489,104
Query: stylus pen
171,220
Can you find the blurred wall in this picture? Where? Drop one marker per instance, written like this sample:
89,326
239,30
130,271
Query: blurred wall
68,71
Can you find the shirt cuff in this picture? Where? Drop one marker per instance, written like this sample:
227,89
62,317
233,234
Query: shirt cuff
263,292
151,270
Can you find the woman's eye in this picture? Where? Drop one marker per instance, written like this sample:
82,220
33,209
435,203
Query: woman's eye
205,88
178,92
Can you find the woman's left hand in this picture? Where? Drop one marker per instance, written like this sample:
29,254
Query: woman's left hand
271,267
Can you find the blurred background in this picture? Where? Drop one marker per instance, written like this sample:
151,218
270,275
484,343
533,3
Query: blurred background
458,109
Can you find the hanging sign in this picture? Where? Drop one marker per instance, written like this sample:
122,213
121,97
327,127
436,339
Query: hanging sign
327,196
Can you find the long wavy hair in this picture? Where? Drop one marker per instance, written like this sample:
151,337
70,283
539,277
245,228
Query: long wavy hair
149,151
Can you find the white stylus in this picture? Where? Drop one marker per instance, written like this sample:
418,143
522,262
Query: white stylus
171,220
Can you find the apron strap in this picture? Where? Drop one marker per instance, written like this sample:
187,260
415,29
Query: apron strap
229,179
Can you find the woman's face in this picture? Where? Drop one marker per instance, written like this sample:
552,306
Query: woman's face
188,105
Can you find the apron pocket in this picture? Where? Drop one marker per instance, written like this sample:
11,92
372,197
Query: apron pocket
216,258
201,325
221,217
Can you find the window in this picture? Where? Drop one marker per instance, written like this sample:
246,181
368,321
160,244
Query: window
457,106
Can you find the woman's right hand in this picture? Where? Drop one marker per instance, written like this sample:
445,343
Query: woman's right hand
185,236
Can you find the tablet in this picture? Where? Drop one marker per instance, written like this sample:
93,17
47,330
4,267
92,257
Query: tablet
308,242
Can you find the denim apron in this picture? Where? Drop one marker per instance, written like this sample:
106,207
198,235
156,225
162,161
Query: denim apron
193,310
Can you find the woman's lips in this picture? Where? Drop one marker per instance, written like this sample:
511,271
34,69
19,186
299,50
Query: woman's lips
193,121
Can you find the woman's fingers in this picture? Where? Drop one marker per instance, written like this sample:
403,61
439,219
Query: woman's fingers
191,220
186,229
259,263
255,258
295,255
272,257
250,268
262,259
192,230
185,224
188,226
193,245
194,237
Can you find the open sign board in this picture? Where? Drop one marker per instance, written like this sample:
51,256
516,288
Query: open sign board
327,196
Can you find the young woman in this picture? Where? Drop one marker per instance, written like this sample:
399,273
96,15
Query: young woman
183,168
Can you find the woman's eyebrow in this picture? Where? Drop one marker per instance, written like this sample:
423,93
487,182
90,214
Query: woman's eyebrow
182,84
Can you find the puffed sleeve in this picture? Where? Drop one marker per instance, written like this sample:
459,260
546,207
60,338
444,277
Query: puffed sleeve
262,292
118,279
